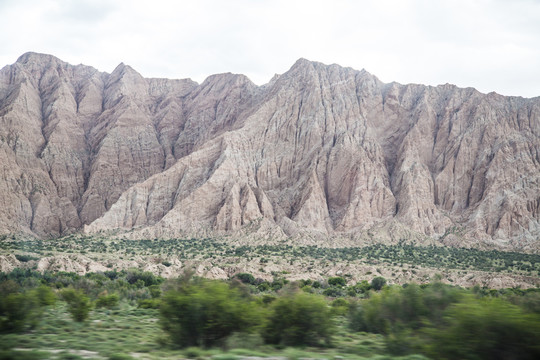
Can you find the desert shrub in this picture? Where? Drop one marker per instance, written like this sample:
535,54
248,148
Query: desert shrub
437,297
204,313
486,328
25,258
396,307
530,301
340,303
45,295
268,299
79,305
337,281
155,291
264,286
401,342
111,274
278,284
332,292
149,303
107,301
142,278
245,278
299,318
362,287
368,316
340,307
8,287
377,283
19,311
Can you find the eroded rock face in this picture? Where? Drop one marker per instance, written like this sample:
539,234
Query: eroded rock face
319,151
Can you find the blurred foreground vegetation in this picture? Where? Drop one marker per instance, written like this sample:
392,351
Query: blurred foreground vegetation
135,314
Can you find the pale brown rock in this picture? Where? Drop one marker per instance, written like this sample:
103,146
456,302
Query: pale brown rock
70,263
320,152
8,263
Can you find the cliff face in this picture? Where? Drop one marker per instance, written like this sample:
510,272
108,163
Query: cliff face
320,151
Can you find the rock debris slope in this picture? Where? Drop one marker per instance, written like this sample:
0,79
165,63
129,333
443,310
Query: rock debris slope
319,152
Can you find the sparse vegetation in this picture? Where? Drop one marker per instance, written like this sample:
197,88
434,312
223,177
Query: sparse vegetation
185,249
134,313
211,319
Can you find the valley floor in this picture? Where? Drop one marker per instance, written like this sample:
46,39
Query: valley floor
220,259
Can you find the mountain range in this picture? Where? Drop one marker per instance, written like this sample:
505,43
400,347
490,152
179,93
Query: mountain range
321,152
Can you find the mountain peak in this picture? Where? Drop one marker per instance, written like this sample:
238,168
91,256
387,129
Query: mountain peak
304,63
122,68
34,57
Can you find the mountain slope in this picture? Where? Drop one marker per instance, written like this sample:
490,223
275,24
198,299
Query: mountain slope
319,152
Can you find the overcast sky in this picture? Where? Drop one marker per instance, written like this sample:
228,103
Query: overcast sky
492,45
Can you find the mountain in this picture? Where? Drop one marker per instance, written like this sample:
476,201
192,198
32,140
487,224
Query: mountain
320,152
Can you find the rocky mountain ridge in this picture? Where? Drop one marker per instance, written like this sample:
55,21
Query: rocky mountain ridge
320,152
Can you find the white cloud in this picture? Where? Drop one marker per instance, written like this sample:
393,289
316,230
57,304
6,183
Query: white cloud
492,45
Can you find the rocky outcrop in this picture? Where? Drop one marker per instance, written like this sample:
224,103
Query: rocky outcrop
320,151
74,263
8,263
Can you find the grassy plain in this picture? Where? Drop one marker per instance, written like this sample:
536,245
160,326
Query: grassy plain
130,332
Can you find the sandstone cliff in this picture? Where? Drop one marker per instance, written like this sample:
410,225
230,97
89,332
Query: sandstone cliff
320,151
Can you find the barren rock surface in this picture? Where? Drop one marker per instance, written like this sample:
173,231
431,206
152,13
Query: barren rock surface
320,151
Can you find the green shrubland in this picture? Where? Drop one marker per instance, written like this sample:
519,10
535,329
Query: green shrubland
115,313
204,313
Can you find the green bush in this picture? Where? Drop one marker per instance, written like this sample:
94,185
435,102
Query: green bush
142,278
155,291
299,318
488,328
45,295
401,342
149,303
264,286
378,283
340,303
107,301
394,307
340,307
268,299
245,278
79,305
19,311
337,281
25,258
204,313
332,292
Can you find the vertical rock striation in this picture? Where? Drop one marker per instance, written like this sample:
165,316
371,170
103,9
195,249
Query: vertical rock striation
319,151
